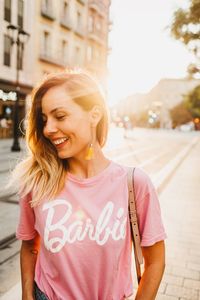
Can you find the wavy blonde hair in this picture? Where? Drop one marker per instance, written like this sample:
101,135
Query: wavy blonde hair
42,173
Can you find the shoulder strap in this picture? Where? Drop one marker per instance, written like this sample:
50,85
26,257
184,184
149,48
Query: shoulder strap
134,223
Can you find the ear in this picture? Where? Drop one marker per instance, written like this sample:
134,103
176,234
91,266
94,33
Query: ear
95,115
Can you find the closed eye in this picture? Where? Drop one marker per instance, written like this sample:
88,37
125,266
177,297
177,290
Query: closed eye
60,117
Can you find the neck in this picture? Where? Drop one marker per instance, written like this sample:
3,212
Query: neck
87,168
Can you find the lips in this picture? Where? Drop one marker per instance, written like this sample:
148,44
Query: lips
59,141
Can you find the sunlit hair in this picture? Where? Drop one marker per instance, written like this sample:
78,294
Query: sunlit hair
43,173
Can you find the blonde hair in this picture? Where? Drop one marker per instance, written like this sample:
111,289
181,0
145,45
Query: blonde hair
42,173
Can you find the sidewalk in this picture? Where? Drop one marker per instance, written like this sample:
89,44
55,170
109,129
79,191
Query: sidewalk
180,204
8,160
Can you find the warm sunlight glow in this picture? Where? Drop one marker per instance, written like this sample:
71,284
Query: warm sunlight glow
142,50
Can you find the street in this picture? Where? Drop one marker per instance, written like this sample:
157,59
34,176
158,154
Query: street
171,158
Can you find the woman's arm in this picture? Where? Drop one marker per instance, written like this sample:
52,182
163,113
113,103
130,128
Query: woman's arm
28,257
154,265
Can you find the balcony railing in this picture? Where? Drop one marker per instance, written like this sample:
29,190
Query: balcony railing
98,6
80,31
46,57
66,23
82,1
47,12
98,37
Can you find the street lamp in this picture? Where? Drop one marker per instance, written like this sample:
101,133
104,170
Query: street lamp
19,37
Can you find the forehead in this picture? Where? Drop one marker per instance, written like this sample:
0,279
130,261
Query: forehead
57,97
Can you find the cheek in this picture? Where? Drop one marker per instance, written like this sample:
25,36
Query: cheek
84,129
80,125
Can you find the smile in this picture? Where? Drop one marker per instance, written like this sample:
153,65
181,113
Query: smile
59,141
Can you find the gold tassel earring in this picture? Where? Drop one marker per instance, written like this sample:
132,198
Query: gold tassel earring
90,153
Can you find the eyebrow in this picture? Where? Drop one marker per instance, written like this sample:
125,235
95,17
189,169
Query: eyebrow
55,109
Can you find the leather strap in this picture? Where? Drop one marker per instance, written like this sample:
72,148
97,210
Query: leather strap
134,223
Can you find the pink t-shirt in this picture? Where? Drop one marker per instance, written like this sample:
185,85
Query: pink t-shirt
85,235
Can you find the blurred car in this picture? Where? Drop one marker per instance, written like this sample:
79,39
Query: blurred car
186,127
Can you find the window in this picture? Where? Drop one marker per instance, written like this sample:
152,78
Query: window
65,11
7,10
46,43
90,24
7,50
46,5
98,24
64,51
89,53
79,21
65,15
20,13
77,55
47,9
97,54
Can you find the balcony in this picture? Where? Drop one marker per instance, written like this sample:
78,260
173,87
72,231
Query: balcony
82,1
47,12
46,57
66,23
98,37
80,31
98,6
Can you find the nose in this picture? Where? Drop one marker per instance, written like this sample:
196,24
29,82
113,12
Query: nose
49,128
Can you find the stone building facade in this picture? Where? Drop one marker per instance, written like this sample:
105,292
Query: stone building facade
62,34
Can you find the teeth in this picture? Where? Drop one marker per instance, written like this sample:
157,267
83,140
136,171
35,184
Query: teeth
57,142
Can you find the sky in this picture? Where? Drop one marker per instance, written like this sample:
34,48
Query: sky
142,50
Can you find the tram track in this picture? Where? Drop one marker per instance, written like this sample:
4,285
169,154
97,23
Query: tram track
5,242
7,248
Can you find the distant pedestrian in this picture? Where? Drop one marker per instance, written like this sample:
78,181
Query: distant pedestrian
4,127
74,223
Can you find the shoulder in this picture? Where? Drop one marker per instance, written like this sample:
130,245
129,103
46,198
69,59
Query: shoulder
142,180
25,199
143,184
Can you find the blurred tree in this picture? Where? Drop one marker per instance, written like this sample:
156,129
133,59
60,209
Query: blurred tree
192,102
185,27
180,115
142,119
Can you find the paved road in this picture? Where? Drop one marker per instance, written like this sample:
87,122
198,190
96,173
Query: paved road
170,158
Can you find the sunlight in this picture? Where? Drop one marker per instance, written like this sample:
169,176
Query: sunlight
142,50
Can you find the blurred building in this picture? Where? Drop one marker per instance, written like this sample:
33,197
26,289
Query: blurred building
60,33
97,37
161,98
15,12
170,92
63,33
70,33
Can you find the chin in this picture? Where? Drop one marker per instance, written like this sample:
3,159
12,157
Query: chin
63,155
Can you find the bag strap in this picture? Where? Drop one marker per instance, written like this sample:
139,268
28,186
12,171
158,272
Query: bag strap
134,223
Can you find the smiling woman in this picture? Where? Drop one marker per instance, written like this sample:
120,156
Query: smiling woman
74,223
58,128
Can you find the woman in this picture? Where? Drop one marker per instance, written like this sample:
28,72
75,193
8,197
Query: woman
74,224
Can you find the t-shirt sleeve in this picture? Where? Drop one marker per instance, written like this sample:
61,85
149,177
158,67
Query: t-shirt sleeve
148,210
26,224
